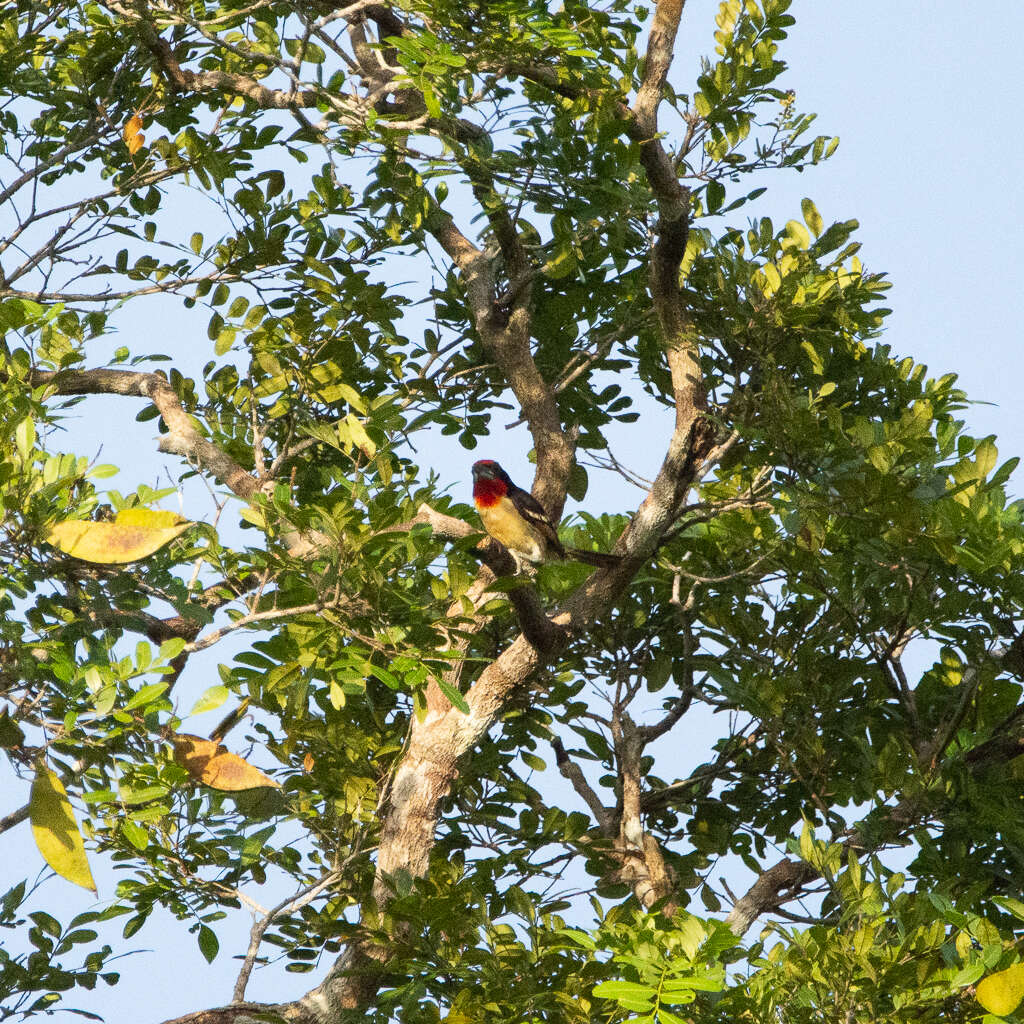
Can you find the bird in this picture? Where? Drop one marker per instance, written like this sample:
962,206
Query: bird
517,521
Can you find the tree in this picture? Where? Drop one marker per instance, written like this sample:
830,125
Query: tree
422,220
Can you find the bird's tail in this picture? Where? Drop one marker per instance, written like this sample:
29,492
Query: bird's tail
599,559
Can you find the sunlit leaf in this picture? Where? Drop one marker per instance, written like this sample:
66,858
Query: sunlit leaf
1001,993
55,830
134,534
132,134
210,699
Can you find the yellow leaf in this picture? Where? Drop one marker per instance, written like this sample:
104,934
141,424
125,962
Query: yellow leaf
215,766
135,533
773,279
797,234
132,127
132,134
811,216
151,518
55,830
360,438
1001,993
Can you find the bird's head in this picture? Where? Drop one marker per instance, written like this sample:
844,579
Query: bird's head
487,469
490,483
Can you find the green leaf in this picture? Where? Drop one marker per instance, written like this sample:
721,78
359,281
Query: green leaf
170,649
208,943
797,234
985,457
772,278
1013,906
358,436
453,695
11,733
146,695
659,671
135,834
210,699
578,482
25,438
225,339
620,990
811,217
580,938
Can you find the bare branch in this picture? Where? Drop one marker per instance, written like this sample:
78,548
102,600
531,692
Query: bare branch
265,616
660,41
55,158
14,818
286,906
649,733
236,1013
131,293
220,81
774,886
182,438
571,771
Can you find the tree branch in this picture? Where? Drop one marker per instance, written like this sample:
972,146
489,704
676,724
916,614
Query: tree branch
182,438
506,338
14,818
571,770
774,886
785,879
221,81
287,906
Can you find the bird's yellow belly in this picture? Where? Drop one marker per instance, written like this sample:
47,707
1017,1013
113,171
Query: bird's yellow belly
504,523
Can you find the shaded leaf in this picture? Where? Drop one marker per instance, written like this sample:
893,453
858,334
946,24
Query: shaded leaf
10,732
208,943
456,698
215,766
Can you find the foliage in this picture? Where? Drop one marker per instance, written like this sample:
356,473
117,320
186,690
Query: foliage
391,231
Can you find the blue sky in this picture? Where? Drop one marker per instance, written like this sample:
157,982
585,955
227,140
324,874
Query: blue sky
931,162
924,99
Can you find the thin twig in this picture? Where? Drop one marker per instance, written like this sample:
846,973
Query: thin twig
291,904
247,620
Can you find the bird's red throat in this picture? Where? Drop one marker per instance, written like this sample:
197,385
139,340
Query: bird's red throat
487,492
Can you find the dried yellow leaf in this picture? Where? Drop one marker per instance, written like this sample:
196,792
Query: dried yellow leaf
212,764
135,533
132,127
